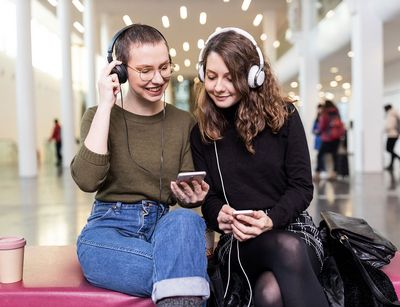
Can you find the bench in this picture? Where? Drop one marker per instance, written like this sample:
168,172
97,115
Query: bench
53,277
392,270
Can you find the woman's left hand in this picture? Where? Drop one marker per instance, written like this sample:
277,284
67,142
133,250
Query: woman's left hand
245,227
190,195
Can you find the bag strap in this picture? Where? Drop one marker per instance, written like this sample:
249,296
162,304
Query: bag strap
368,280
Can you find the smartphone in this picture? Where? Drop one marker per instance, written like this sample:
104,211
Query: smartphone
190,176
244,212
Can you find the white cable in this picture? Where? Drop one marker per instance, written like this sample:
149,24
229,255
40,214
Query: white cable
237,242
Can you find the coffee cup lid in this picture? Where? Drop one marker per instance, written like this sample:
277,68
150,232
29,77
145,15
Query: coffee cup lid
11,242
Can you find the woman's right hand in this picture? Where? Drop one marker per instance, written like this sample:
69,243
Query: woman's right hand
108,85
225,218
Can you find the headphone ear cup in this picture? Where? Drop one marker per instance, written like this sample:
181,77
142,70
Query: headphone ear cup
260,78
252,76
201,72
121,72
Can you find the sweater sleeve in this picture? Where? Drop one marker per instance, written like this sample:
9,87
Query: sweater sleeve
212,203
299,188
89,169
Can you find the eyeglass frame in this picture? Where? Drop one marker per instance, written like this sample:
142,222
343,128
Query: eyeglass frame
140,71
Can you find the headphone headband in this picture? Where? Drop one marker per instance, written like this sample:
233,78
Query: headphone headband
256,74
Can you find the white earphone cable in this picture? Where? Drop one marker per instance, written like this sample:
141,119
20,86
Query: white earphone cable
231,239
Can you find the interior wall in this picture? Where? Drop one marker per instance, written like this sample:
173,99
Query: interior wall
47,101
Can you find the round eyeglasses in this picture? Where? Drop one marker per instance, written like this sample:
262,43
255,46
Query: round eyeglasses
148,73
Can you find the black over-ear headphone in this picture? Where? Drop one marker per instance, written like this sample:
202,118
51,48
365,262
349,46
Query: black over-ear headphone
256,75
120,70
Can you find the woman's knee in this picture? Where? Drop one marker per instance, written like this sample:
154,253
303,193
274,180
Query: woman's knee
267,291
185,219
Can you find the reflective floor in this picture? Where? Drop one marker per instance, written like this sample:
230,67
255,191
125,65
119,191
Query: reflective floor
51,210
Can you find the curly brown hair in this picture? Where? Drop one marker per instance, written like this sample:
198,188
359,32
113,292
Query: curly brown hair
258,108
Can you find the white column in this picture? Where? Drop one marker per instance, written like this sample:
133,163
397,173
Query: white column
269,28
309,67
367,86
90,54
67,103
105,35
27,159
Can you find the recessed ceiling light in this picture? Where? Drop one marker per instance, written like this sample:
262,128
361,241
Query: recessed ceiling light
187,62
294,84
346,85
257,20
334,70
398,48
263,37
226,0
127,20
172,52
338,78
79,6
53,2
276,44
186,46
333,83
79,27
183,12
350,54
203,18
165,21
200,43
245,5
180,78
176,67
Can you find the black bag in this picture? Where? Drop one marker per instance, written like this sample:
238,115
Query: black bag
359,251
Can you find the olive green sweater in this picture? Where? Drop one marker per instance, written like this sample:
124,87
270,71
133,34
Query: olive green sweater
119,176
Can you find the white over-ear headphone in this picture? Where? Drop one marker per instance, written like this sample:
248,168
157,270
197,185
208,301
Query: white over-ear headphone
256,75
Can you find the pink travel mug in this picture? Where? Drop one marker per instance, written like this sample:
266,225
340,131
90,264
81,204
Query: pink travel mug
11,259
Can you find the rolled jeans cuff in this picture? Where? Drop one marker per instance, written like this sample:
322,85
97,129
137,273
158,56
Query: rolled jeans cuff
183,286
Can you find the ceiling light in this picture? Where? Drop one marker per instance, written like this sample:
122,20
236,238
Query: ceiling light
183,11
334,70
329,96
347,92
176,67
226,0
350,54
79,27
346,85
330,14
186,46
344,99
257,20
263,37
398,48
180,78
217,29
187,62
294,84
53,2
321,94
79,6
165,21
127,20
245,5
203,18
338,78
172,52
333,83
276,44
200,43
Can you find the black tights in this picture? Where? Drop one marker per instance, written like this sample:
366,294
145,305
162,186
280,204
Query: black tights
282,269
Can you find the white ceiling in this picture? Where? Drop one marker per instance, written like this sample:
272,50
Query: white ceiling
219,14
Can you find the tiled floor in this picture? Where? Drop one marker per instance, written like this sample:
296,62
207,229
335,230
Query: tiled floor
51,210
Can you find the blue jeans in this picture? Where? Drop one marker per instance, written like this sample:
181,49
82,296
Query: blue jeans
142,249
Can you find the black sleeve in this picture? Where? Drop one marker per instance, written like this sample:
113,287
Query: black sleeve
299,189
212,203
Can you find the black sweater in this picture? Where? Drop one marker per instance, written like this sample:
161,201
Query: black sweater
276,177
